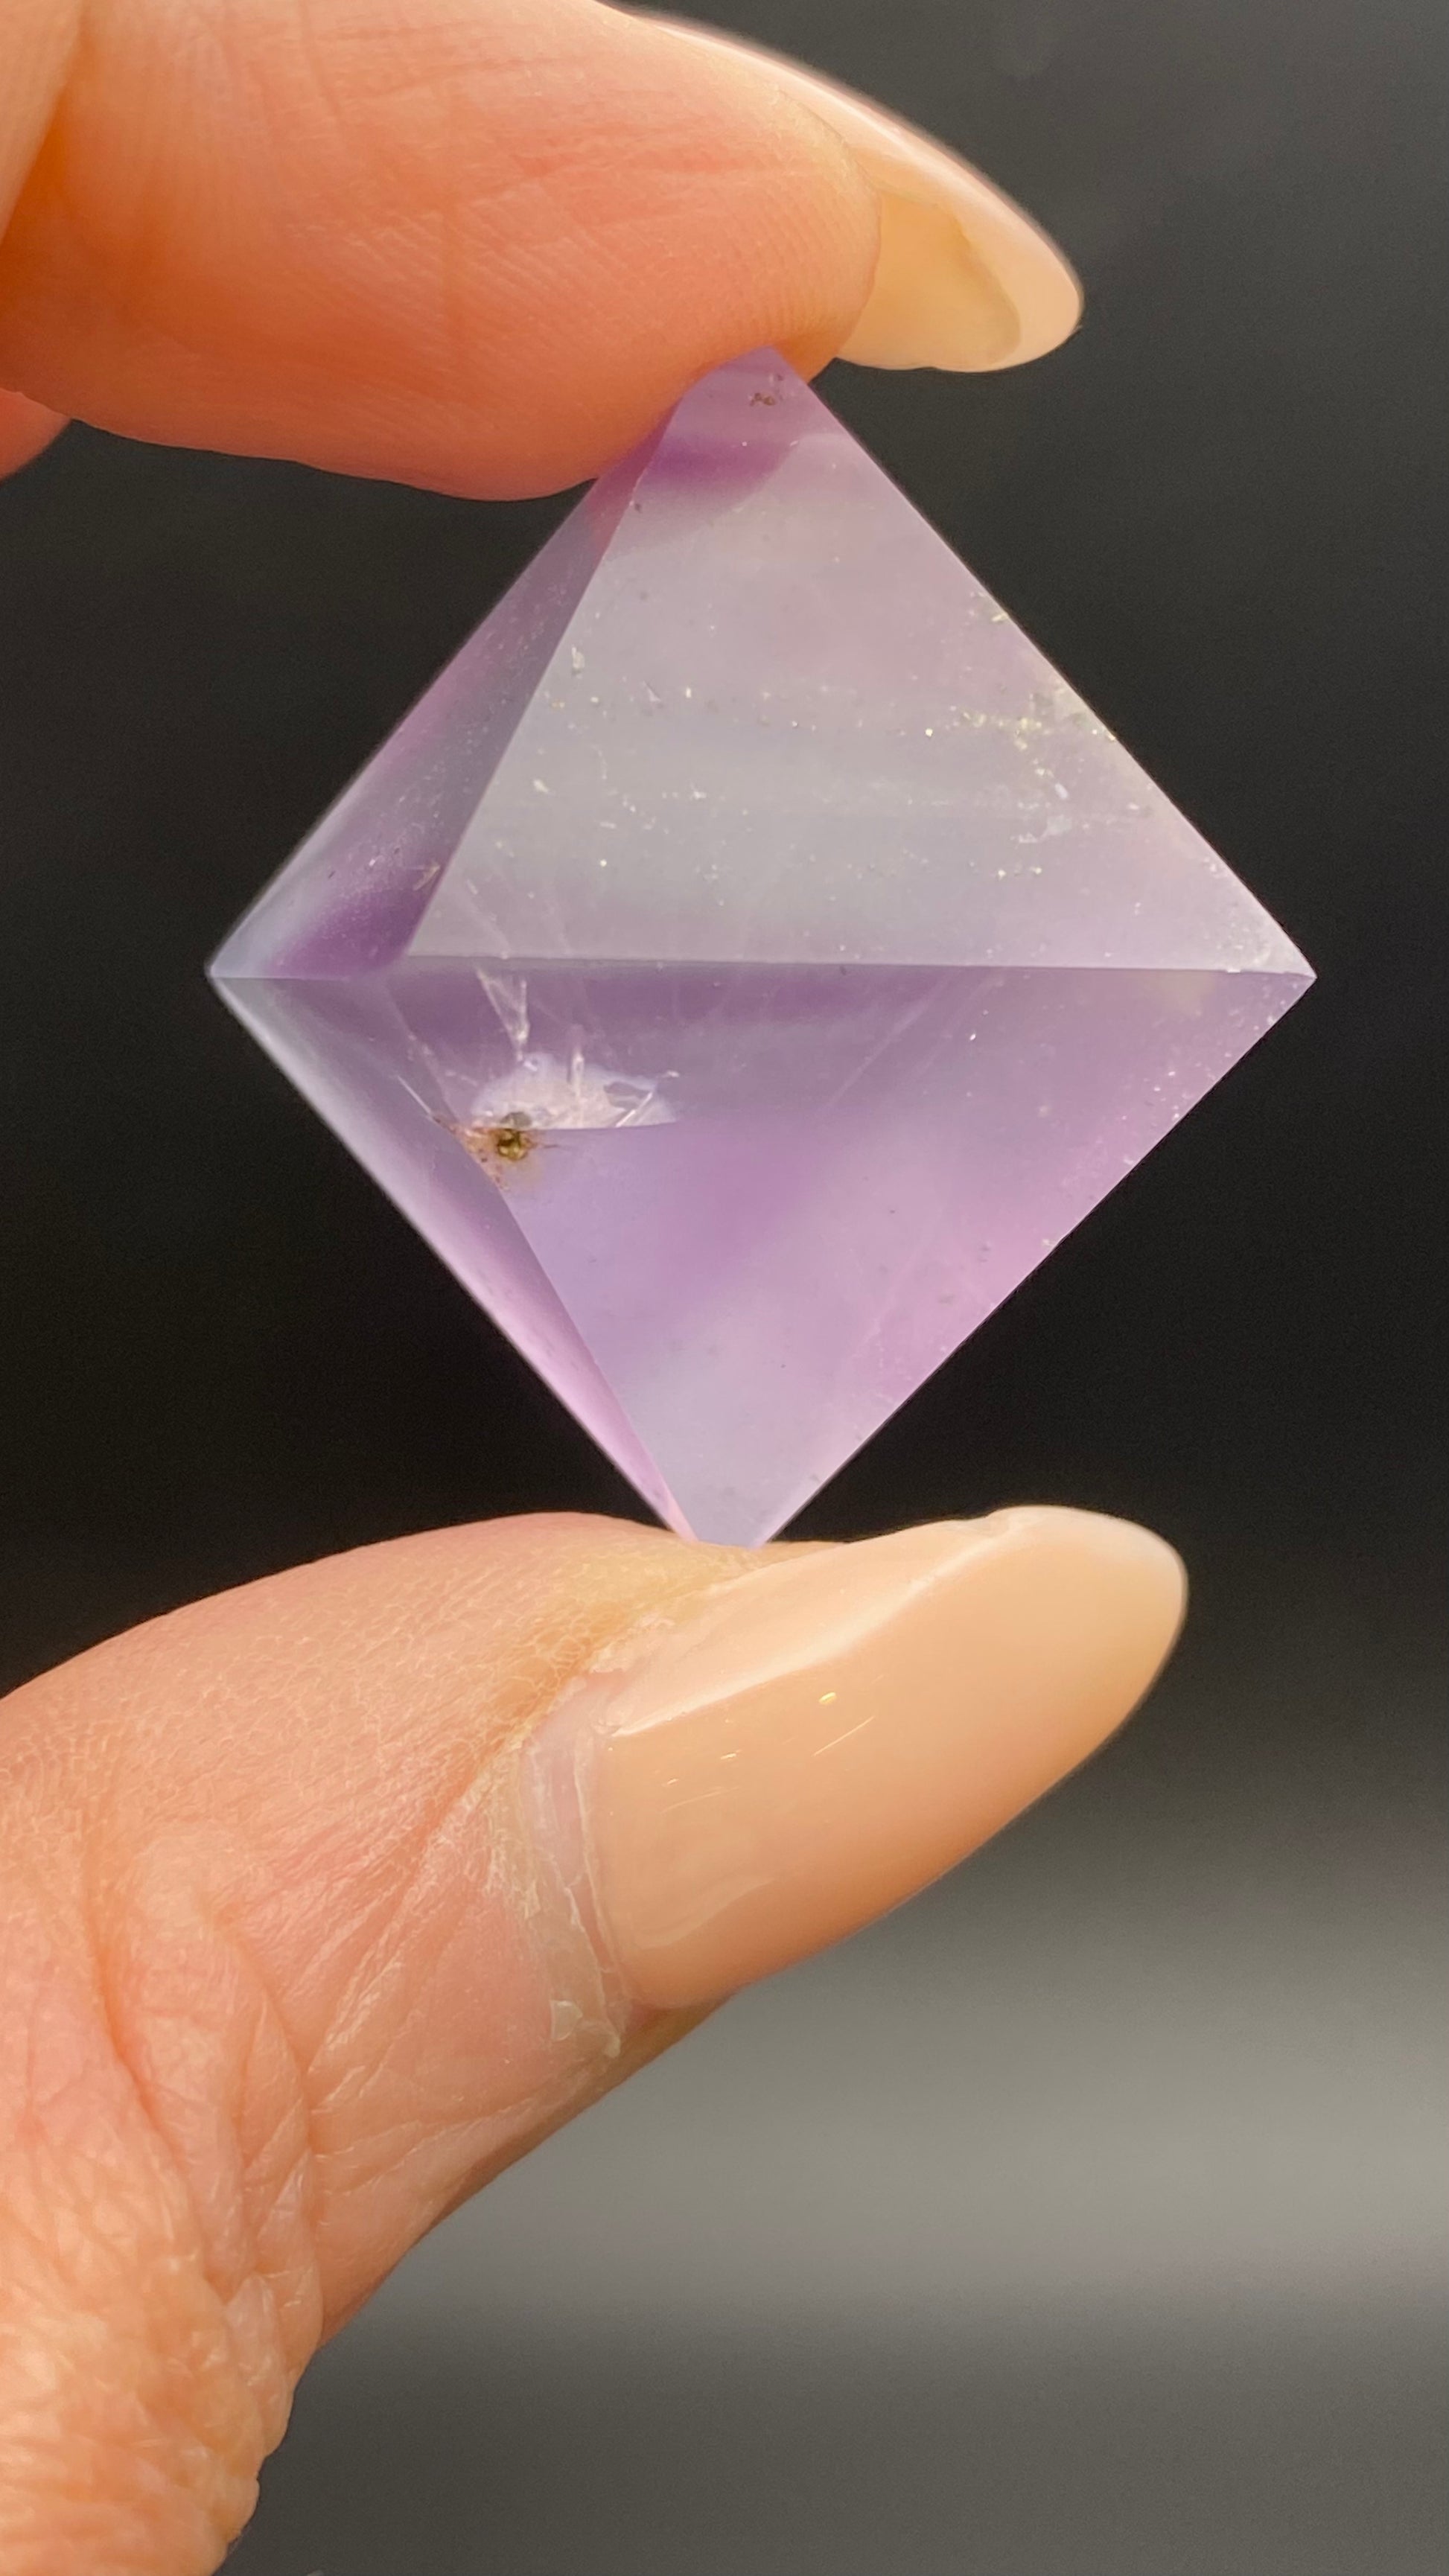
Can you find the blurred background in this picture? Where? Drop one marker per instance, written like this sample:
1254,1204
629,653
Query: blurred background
1086,2219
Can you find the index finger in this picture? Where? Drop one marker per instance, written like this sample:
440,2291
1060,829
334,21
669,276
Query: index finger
478,246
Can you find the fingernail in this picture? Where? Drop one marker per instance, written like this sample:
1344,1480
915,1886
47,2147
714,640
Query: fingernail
809,1743
965,280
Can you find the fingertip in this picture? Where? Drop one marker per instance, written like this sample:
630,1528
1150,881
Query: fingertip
1141,1573
965,280
810,1743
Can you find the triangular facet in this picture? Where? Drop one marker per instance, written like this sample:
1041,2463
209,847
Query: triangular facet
786,725
350,899
862,1166
350,1053
751,958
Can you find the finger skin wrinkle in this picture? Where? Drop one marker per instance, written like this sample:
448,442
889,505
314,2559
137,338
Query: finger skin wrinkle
37,43
206,2044
274,1998
483,248
131,2439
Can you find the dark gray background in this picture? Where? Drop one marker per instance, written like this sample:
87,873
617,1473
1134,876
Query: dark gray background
1086,2219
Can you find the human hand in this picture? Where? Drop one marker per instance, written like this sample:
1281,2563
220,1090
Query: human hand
479,244
327,1898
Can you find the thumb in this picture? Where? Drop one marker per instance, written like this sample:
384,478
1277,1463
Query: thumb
331,1896
482,244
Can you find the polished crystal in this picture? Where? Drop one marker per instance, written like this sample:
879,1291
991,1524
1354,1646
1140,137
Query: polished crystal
750,957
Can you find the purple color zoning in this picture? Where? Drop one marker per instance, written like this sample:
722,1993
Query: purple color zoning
750,958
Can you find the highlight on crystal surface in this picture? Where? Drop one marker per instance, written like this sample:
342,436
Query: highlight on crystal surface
750,958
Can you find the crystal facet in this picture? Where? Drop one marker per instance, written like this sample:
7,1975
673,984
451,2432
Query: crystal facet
750,957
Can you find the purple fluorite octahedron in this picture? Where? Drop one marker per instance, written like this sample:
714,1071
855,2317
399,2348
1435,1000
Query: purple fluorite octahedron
750,957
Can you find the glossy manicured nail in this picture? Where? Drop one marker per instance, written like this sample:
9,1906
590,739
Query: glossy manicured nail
809,1743
965,280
